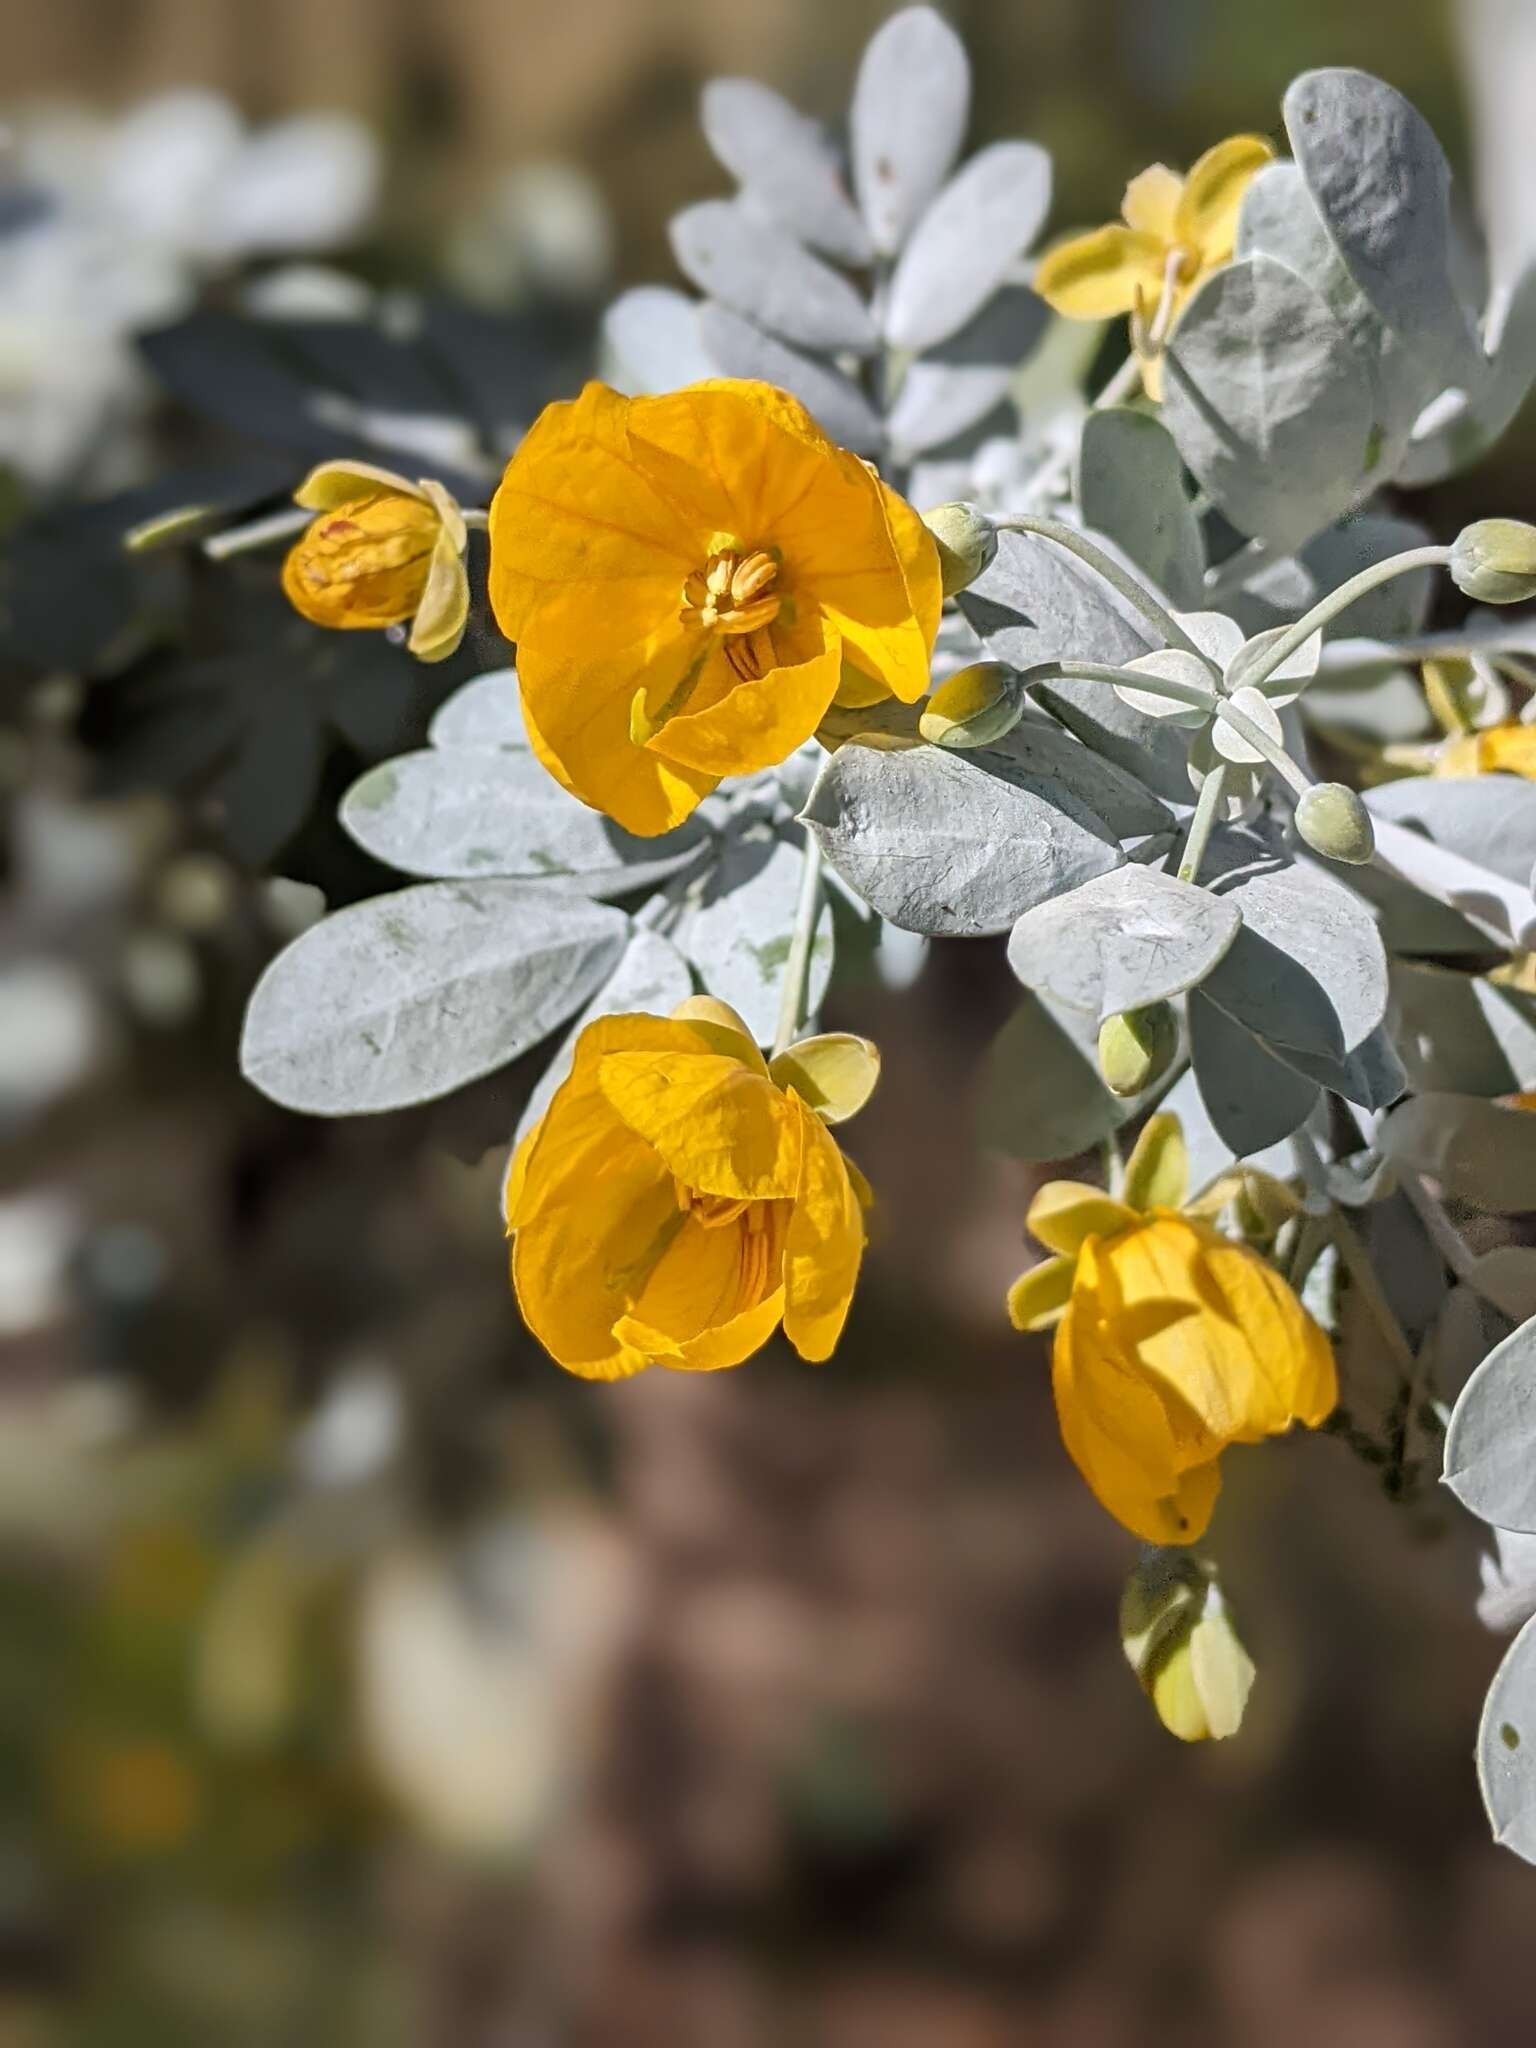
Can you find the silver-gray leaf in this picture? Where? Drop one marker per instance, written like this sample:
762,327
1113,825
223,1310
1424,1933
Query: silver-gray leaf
1460,1034
1130,488
1381,183
737,348
762,272
1121,941
1479,1152
1506,1748
1269,403
654,338
1489,819
911,102
1041,1095
1253,1100
1490,1445
733,925
406,997
467,812
958,383
1043,748
967,242
786,162
487,711
940,844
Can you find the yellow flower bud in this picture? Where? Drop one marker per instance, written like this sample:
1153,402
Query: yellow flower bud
1335,823
975,707
1494,561
966,541
1137,1048
1179,1640
379,551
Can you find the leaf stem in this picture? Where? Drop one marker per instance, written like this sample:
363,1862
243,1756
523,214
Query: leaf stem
1328,608
1203,823
276,526
797,964
1170,632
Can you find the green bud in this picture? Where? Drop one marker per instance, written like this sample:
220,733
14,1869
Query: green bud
966,540
1179,1640
1137,1048
975,707
1335,823
1494,561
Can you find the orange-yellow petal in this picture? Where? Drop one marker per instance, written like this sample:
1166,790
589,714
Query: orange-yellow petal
1206,221
825,1243
758,722
725,1344
718,1127
1097,276
577,711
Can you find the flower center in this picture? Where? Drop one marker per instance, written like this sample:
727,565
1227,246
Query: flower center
736,595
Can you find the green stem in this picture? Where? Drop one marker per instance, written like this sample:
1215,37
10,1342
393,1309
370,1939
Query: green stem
1328,608
1169,631
1203,823
797,965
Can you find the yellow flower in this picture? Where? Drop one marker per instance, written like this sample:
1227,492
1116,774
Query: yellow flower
686,577
383,550
681,1197
1172,1341
1497,750
1179,1640
1172,234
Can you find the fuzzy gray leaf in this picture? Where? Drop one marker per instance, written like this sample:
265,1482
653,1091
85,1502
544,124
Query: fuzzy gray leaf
1489,819
940,844
1506,1748
733,925
967,242
1042,748
1490,1445
1265,394
1130,488
954,385
1380,181
1253,1099
654,336
407,997
786,164
910,106
1462,1035
1041,1095
762,272
467,812
739,349
1122,941
487,711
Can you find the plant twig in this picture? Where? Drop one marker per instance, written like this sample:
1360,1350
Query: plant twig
797,963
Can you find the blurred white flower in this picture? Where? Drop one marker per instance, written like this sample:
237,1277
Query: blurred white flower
122,219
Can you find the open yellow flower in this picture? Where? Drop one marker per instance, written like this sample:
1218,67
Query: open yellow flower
1497,750
688,578
381,551
1172,234
1172,1341
680,1197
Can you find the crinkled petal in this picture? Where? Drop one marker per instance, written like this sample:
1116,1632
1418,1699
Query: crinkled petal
759,722
718,1127
1117,1430
1212,1325
340,483
1213,196
1097,276
578,712
589,545
825,1243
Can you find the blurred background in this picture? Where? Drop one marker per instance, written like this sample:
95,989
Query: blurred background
362,1678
